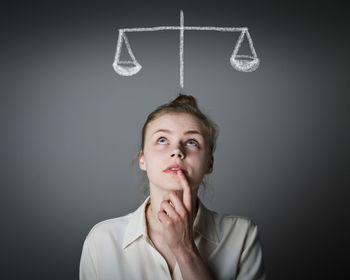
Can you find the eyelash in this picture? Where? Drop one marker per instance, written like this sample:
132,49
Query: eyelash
197,144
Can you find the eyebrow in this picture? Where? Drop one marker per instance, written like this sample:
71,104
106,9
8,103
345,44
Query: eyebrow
169,131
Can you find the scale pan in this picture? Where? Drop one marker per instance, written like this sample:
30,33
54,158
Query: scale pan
245,63
127,68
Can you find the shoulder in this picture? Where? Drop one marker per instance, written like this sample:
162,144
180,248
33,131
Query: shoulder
110,229
241,222
233,226
114,231
229,220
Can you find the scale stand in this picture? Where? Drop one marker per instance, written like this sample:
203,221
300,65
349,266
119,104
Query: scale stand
243,63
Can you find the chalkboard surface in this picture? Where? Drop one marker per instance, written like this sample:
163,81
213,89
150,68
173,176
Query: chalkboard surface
70,125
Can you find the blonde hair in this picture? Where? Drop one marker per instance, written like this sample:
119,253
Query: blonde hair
185,104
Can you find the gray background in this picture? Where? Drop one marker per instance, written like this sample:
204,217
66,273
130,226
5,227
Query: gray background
70,125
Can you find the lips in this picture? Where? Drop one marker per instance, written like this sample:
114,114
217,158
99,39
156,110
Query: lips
174,168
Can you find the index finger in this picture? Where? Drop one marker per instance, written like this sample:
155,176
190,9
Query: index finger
187,196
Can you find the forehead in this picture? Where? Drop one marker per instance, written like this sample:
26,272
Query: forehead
177,122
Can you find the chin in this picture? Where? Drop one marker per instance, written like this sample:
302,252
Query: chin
173,188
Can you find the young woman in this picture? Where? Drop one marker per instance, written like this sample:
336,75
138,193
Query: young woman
172,235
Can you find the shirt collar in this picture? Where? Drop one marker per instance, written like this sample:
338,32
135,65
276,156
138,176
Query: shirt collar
137,225
204,224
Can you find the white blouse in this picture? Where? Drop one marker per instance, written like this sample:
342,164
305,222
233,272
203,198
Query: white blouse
120,248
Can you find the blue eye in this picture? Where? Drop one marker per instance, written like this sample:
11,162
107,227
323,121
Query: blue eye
160,140
192,142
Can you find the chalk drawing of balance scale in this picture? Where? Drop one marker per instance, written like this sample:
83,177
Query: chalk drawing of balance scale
243,63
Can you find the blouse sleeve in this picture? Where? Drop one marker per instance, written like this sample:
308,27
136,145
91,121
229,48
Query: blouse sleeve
88,267
251,262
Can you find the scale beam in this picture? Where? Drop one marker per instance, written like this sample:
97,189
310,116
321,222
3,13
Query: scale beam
243,63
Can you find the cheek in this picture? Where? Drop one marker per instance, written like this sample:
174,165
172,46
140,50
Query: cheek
196,155
197,161
158,151
153,156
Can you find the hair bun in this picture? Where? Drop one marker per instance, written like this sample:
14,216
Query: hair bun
185,99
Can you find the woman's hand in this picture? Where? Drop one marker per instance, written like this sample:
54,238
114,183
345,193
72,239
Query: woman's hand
177,220
177,223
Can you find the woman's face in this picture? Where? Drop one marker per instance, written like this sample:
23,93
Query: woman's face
175,138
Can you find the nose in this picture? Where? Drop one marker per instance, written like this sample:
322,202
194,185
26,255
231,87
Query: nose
177,152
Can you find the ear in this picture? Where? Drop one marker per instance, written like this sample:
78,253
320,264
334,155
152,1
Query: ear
210,165
142,162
